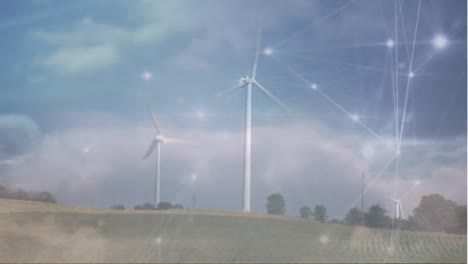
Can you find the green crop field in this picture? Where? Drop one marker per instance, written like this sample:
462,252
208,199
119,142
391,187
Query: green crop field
35,232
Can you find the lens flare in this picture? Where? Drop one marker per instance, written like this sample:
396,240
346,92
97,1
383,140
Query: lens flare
268,51
200,114
158,240
324,239
390,43
146,75
439,41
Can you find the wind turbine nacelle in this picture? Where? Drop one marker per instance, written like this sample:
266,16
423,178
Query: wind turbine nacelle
161,138
245,80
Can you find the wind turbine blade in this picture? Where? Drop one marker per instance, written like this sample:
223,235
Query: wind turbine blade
230,90
153,118
276,100
393,200
257,52
401,210
174,140
150,149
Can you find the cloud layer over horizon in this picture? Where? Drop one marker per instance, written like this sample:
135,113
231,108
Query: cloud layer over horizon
305,161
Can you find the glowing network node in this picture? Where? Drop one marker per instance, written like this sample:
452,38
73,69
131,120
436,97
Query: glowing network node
417,182
268,51
146,75
411,74
324,239
439,41
200,115
86,149
398,152
390,43
355,117
194,177
158,240
314,86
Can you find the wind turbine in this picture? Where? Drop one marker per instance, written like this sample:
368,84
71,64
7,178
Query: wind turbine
397,208
249,82
156,144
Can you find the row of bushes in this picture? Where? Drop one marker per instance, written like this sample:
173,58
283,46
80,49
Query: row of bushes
20,194
149,206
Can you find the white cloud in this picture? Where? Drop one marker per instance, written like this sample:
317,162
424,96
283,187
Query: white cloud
210,28
314,166
87,45
73,60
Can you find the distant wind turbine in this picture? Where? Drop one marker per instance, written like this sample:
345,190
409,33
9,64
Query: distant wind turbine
248,82
156,144
397,208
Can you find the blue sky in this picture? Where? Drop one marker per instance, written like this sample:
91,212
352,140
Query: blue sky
71,77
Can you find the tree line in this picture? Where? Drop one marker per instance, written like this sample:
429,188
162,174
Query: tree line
434,213
20,194
150,206
276,205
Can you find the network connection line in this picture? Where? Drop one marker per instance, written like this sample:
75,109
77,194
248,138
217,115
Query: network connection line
336,104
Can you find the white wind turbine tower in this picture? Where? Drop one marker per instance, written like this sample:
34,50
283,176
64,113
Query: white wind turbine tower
156,144
397,208
248,82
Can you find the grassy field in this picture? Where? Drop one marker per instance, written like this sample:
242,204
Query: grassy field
36,232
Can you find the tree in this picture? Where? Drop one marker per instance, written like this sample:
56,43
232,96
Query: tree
353,217
305,212
377,217
118,207
408,224
45,197
276,204
148,206
320,213
4,192
336,221
164,206
178,206
20,194
145,206
460,214
459,224
435,213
